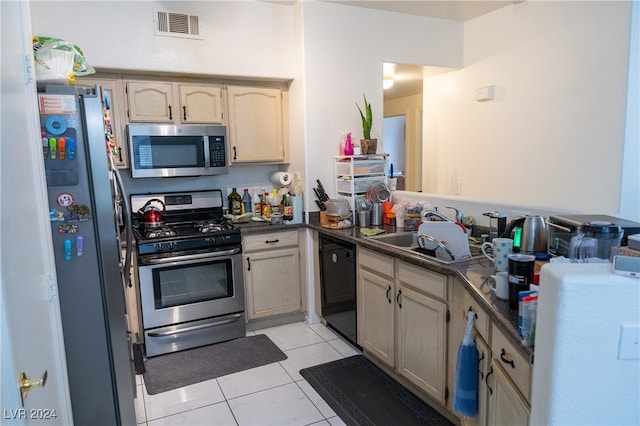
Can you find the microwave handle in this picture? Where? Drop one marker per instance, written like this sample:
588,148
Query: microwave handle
555,225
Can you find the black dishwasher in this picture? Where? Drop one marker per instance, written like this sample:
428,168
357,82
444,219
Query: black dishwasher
338,286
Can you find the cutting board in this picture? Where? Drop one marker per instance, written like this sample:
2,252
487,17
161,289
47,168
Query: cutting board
448,233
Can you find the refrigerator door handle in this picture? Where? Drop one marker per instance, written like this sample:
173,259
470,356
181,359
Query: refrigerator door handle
126,219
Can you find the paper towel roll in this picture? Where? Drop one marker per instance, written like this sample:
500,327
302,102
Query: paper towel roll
280,178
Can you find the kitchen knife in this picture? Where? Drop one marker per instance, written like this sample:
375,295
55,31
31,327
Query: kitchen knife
323,193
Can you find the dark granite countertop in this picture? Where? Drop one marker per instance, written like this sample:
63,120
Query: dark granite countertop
473,274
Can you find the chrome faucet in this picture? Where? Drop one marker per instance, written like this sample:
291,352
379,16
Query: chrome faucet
426,214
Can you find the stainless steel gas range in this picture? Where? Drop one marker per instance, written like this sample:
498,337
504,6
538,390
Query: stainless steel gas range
189,270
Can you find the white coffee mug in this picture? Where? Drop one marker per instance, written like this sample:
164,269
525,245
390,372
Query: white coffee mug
500,285
501,248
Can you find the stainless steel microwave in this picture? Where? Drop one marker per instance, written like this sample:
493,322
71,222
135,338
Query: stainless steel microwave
162,150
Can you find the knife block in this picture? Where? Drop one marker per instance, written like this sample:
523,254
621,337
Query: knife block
324,219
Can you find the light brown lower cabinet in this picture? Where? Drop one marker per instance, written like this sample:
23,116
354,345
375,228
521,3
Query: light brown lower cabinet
399,321
507,407
504,375
272,274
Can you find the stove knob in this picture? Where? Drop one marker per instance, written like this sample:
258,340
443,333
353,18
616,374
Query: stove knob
158,246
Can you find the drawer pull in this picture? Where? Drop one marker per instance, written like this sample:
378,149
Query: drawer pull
271,241
486,379
505,360
388,291
398,298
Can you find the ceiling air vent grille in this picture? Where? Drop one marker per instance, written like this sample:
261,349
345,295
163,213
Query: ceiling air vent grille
174,24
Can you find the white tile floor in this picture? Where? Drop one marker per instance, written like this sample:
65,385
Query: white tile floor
274,394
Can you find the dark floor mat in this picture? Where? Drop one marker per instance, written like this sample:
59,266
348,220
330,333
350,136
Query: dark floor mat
178,369
362,394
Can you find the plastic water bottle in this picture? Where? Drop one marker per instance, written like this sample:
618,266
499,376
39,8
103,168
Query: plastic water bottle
247,205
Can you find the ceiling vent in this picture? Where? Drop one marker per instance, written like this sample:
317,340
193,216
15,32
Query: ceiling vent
174,24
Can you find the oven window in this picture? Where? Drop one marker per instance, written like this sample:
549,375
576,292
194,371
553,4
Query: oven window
182,285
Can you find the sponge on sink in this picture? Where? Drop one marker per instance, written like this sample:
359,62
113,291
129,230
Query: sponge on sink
370,232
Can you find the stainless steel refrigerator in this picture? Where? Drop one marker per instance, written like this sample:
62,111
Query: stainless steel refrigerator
87,251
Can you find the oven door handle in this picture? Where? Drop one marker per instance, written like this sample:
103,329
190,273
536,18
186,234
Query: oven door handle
232,318
199,256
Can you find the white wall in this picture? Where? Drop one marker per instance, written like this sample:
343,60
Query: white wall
630,191
240,38
344,48
394,136
579,377
554,134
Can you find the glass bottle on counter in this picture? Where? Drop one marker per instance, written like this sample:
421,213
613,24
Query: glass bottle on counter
257,204
275,203
266,207
247,205
287,207
235,202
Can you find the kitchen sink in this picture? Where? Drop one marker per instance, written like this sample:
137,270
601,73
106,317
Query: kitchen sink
408,241
399,239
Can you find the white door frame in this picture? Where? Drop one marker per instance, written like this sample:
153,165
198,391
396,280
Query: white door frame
31,328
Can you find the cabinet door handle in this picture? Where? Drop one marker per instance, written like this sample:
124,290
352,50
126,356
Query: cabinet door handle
505,360
170,113
248,263
184,112
234,153
479,370
398,299
486,379
471,310
389,291
120,155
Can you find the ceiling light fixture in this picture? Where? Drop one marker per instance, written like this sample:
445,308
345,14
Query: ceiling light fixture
387,81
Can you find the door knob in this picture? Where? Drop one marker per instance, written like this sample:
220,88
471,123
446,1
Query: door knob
26,385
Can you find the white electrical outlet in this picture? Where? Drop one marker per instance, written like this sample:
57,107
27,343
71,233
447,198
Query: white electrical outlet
458,188
629,347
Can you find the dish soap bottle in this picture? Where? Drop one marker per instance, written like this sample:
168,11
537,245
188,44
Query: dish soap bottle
247,205
348,146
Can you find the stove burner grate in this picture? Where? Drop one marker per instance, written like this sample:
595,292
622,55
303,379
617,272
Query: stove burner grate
211,226
161,232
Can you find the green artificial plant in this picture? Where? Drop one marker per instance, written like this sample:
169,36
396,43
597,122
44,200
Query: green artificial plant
367,118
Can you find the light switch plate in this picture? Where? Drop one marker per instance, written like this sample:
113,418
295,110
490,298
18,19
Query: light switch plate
629,342
484,94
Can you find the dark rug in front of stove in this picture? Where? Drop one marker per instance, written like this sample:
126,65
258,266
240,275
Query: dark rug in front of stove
178,369
362,394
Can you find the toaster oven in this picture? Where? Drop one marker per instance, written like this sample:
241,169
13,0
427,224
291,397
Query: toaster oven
561,228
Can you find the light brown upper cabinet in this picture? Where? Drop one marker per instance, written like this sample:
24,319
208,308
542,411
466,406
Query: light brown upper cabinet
256,125
175,103
113,114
